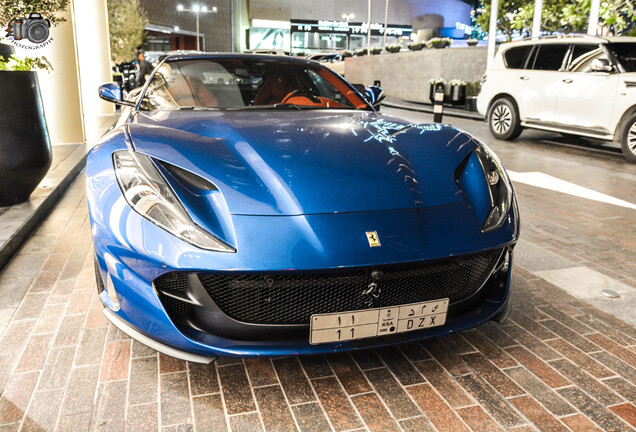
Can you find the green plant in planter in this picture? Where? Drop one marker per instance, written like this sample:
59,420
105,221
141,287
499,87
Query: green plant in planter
11,9
432,82
457,91
361,52
472,42
440,42
394,48
457,82
347,53
416,46
376,51
473,88
26,64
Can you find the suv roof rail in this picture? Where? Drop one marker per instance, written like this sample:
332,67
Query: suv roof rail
565,36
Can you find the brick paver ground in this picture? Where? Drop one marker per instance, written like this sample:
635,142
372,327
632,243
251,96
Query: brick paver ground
557,364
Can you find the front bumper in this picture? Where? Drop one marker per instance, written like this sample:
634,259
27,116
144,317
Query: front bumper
152,326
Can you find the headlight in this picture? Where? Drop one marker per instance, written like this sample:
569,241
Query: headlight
148,194
498,185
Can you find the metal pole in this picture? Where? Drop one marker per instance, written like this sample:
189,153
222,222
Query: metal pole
536,21
592,25
386,20
492,31
438,103
234,26
198,37
369,30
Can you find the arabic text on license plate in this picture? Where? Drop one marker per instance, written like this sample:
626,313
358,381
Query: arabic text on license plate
346,326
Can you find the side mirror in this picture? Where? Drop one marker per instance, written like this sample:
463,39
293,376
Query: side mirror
601,65
375,95
111,92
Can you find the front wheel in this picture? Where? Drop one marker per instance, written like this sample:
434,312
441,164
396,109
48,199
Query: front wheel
503,119
628,138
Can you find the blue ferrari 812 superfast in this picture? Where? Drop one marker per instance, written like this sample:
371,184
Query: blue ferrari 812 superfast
250,205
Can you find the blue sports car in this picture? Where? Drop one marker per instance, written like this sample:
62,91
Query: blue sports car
253,205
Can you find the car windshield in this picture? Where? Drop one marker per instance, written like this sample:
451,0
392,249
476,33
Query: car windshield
625,54
246,83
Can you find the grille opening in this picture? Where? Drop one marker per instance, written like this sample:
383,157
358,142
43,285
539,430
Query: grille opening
291,298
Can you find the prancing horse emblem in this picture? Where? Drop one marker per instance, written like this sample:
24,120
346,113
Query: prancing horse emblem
373,290
374,240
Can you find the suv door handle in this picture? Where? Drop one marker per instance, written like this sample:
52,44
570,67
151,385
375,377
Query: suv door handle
567,80
525,78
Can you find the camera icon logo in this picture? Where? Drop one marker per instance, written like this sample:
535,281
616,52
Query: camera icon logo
35,28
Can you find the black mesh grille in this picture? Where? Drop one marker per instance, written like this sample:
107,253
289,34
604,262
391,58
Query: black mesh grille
291,298
176,283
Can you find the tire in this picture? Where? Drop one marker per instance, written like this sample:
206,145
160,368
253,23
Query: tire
504,313
503,119
628,138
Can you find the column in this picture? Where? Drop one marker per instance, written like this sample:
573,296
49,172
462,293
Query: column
536,21
492,31
60,88
93,47
592,25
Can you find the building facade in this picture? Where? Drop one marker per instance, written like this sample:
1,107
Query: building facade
170,29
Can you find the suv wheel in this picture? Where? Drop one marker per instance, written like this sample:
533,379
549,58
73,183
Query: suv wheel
628,138
503,119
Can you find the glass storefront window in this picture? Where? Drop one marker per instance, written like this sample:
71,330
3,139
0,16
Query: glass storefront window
269,38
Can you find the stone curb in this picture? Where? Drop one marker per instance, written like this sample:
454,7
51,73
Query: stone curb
42,201
448,112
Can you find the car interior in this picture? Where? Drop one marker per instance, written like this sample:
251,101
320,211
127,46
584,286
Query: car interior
236,84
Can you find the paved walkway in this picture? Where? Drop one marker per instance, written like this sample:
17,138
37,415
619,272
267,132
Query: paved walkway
557,364
449,110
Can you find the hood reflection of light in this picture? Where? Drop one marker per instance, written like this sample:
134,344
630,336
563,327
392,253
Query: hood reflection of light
285,198
382,130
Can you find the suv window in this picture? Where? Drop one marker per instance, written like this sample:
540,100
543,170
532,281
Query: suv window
583,55
548,57
515,58
625,53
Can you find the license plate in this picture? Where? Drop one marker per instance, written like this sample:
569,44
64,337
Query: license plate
346,326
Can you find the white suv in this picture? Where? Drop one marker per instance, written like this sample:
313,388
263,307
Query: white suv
578,85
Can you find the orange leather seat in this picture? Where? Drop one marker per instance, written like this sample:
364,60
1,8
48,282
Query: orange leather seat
276,86
190,91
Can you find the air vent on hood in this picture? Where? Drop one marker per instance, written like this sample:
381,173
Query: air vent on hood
188,178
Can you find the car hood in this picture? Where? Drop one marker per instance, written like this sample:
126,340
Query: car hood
279,163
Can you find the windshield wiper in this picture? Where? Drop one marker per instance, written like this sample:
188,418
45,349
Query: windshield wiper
280,106
286,106
198,108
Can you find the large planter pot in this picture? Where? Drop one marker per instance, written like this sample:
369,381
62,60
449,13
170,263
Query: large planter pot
25,149
471,103
6,51
458,94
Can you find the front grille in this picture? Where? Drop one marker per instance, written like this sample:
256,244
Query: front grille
292,297
174,283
